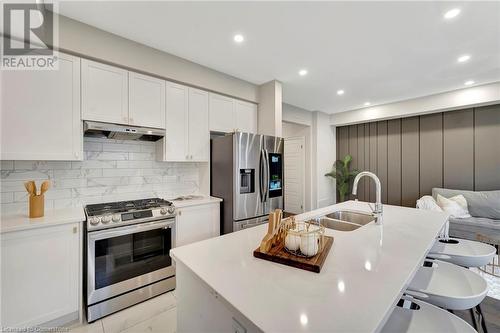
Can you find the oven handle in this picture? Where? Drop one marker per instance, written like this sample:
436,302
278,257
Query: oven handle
131,229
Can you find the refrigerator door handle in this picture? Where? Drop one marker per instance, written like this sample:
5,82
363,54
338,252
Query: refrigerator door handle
261,175
268,176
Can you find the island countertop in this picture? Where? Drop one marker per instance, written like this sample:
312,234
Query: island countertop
363,277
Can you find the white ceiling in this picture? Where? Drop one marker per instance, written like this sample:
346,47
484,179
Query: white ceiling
376,51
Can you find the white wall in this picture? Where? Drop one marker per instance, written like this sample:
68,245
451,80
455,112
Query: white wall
270,109
291,130
294,114
323,146
452,100
324,152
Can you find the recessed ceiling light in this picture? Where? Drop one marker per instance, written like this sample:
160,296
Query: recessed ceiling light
239,38
340,92
469,83
451,13
303,72
368,103
463,58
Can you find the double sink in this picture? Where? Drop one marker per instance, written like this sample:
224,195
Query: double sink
344,220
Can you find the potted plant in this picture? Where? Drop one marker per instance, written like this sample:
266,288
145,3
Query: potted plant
343,176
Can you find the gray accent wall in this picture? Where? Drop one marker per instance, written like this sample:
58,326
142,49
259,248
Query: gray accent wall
455,149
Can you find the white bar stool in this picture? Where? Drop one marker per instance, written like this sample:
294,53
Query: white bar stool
414,316
462,252
449,286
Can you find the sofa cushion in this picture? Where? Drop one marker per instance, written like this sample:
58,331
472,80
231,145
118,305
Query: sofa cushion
480,203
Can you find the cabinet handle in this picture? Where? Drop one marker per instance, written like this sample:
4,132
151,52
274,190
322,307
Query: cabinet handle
179,213
75,230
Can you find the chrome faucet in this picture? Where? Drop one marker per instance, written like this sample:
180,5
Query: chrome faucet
378,209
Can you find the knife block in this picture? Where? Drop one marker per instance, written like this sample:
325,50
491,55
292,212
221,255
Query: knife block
36,205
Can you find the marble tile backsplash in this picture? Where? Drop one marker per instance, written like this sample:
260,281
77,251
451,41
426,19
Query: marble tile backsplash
111,171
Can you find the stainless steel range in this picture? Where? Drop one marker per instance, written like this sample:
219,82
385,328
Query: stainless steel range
127,258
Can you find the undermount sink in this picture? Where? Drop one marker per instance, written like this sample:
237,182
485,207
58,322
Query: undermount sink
344,220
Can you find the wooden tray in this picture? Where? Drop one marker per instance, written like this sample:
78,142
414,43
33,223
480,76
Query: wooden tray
280,255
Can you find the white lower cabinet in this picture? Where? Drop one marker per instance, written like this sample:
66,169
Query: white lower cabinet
41,274
196,223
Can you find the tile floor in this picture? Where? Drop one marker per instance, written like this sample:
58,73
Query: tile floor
157,315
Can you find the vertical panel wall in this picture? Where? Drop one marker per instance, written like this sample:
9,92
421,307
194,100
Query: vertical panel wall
361,160
455,149
487,148
431,152
458,149
410,173
382,157
394,162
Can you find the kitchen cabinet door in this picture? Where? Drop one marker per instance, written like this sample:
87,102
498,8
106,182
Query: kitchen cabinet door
245,115
146,101
221,113
176,138
196,223
104,93
41,275
199,134
40,113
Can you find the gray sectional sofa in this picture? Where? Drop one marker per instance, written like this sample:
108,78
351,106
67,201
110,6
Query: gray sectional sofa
484,206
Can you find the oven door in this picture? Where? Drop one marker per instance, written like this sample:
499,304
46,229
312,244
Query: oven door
125,258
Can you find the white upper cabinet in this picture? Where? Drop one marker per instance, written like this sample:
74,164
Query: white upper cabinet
175,142
40,113
187,136
245,115
221,113
199,134
146,101
229,115
104,93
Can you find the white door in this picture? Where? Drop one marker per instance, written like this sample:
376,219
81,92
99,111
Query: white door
40,275
199,134
245,115
146,101
104,93
176,139
295,164
221,113
197,223
40,115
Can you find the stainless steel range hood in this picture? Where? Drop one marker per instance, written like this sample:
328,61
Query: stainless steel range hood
121,132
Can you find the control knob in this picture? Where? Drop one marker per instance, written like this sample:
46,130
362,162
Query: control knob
171,209
163,211
94,220
116,218
106,219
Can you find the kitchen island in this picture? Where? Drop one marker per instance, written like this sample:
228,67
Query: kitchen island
221,287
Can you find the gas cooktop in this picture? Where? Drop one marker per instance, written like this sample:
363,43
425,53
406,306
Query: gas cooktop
113,214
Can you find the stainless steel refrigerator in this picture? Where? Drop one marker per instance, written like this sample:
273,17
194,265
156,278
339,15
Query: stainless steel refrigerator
247,173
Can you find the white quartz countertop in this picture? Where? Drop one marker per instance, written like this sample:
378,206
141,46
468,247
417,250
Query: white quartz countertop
362,279
17,222
195,202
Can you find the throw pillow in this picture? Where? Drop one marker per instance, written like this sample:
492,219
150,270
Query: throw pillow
455,206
